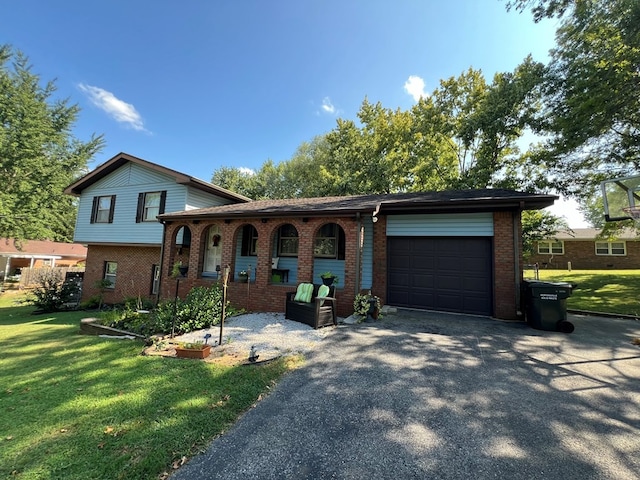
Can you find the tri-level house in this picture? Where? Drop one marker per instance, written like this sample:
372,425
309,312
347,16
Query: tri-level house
117,209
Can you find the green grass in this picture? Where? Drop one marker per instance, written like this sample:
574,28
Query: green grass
84,407
609,291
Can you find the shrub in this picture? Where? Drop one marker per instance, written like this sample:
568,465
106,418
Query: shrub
202,308
52,292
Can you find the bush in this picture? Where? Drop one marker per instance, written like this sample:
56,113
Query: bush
202,308
52,292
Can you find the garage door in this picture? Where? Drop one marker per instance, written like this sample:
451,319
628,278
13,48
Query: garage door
452,274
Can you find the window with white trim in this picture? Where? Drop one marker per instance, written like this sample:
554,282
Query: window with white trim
551,248
611,248
329,242
287,241
102,209
110,273
150,205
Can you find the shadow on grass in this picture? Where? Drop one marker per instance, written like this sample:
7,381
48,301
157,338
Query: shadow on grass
86,407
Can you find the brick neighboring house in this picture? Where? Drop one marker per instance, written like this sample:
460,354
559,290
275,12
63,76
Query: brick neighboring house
117,209
456,251
38,253
585,251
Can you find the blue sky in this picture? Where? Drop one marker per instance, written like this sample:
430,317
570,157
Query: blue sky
196,85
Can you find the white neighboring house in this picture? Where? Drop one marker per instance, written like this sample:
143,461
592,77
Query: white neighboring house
117,208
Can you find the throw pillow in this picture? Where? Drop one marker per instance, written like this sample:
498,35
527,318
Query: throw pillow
304,293
323,291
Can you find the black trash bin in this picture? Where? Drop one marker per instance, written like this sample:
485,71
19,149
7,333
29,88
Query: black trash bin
545,305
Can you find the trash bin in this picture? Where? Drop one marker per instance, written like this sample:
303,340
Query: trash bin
546,305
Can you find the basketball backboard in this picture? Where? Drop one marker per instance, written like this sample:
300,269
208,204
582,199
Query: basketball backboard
621,198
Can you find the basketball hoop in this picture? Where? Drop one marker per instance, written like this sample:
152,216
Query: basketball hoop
633,212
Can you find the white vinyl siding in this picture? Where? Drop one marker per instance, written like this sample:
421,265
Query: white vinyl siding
367,255
611,248
441,225
126,184
198,199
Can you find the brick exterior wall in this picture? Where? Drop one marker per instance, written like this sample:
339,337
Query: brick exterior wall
506,293
134,271
135,264
261,294
582,255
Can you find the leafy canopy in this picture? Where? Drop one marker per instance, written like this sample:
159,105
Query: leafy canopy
39,156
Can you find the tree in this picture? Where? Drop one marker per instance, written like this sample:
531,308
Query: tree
539,225
39,156
592,91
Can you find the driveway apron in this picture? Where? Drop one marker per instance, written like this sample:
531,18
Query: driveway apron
429,395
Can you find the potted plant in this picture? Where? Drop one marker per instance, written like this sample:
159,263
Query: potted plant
243,276
179,270
366,305
198,349
328,278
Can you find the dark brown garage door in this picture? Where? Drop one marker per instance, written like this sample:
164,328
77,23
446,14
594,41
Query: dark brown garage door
452,274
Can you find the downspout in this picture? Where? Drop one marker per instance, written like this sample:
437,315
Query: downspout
164,236
516,256
358,281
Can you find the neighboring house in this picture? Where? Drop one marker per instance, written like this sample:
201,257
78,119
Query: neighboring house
582,248
117,209
454,251
37,253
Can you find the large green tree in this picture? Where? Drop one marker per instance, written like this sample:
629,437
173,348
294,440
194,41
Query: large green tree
592,91
39,156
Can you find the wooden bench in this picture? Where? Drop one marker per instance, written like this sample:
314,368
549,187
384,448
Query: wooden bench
320,312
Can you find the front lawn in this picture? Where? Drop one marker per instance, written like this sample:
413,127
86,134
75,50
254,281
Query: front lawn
610,291
79,407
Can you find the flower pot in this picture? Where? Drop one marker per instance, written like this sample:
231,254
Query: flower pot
202,352
183,270
328,281
243,278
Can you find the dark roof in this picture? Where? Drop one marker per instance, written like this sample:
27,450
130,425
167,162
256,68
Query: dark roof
122,158
424,202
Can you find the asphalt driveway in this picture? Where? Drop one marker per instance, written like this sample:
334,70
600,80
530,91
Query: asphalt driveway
420,395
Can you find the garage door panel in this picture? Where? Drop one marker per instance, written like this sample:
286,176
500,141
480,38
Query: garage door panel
441,273
422,281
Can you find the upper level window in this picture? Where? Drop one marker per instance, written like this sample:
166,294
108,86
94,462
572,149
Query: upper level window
102,209
150,205
555,248
611,248
287,241
329,242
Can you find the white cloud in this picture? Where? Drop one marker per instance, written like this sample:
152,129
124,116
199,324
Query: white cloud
414,86
247,171
117,109
327,106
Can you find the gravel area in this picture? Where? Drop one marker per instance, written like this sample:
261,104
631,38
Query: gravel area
270,333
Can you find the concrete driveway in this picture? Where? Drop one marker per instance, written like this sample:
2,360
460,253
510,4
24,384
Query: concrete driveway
427,395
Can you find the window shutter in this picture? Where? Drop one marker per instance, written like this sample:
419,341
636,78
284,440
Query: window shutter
94,210
163,201
140,210
112,209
